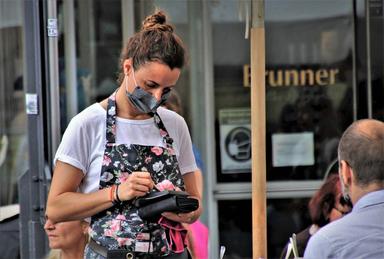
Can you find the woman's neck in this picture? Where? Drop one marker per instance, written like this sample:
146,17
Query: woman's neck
72,255
75,252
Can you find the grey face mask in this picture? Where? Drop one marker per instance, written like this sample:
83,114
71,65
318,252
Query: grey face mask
144,101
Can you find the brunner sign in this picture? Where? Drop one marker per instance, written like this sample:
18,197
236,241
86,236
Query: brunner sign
295,77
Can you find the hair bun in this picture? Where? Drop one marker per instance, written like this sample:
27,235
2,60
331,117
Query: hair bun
157,21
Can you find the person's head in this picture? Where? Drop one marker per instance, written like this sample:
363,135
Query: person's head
361,158
328,204
66,235
152,59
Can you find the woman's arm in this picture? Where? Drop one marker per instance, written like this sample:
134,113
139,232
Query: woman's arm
64,203
194,186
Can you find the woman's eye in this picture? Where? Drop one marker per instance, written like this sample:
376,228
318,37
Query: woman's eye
151,86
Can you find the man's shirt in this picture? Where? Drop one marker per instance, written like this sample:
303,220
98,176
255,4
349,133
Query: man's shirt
359,234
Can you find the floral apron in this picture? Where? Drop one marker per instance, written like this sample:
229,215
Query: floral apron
120,226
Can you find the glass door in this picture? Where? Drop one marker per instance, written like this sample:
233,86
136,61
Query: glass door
14,159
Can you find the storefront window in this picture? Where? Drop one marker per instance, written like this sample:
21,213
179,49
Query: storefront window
309,85
13,119
97,27
232,97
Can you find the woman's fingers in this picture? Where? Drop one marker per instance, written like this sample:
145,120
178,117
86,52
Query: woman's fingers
137,184
180,217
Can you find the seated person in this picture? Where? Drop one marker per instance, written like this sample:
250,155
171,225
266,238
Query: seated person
67,239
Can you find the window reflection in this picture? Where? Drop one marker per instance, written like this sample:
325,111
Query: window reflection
13,119
309,85
284,217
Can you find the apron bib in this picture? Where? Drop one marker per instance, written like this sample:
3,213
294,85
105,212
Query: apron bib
120,226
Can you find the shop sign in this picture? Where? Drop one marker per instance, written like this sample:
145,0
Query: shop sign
295,77
235,140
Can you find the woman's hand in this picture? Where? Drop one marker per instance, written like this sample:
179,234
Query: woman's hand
189,217
193,186
137,184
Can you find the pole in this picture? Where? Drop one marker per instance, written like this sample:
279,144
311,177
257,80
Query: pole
259,233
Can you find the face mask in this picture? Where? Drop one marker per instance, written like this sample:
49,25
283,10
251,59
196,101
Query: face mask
144,101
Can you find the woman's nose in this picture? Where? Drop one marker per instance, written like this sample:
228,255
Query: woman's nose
157,94
49,225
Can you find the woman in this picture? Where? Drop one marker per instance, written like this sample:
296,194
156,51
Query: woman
66,239
137,145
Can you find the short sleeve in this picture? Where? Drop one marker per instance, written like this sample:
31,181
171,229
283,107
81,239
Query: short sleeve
186,158
74,146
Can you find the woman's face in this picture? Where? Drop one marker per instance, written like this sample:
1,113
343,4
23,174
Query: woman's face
153,77
339,209
65,234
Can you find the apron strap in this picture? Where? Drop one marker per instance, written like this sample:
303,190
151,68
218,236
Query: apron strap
111,119
167,140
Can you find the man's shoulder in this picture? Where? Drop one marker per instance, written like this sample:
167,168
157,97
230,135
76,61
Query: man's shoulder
347,237
328,239
339,229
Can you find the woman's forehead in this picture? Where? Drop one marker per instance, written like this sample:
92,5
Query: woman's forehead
159,73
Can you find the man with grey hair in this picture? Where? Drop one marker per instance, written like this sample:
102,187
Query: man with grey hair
359,234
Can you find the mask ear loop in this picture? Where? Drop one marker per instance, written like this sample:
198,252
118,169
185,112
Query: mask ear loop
126,80
134,78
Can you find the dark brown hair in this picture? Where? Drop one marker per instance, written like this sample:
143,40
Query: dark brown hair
362,147
324,200
156,41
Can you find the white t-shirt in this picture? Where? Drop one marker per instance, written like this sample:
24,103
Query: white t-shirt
84,141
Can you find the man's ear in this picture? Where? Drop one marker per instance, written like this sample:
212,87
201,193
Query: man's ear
346,173
127,66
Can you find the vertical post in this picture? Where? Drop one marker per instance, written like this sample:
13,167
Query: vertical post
128,19
53,70
202,83
33,242
70,59
259,233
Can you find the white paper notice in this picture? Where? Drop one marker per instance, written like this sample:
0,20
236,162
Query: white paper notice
293,149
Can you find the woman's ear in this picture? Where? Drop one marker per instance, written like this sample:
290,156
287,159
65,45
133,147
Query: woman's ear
127,66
